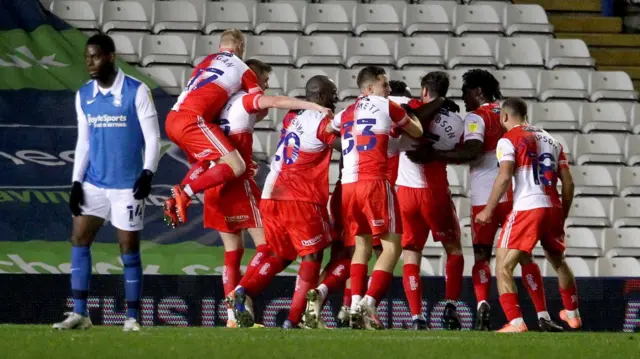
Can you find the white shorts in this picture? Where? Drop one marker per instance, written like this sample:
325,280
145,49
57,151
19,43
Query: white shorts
114,205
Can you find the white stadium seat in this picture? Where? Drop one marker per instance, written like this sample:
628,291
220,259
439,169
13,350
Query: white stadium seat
604,116
584,242
228,15
628,179
477,18
433,16
378,18
634,116
166,49
318,51
418,51
128,45
567,84
178,16
625,212
205,46
556,116
589,212
468,51
632,150
272,49
458,175
170,79
466,238
277,81
618,267
519,51
297,79
526,19
411,78
581,267
334,174
455,83
347,86
516,83
611,85
78,13
622,242
367,51
333,17
126,15
594,181
599,148
567,140
568,53
463,208
279,17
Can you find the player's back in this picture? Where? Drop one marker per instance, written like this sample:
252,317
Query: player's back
537,157
238,124
211,84
365,127
300,165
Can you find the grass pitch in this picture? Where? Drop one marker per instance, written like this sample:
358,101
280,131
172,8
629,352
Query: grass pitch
30,341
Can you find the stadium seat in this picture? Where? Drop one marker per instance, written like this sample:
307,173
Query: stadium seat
127,46
599,148
205,46
458,175
170,79
466,239
567,53
279,17
628,179
516,83
434,16
477,18
594,181
418,51
584,242
270,121
468,51
463,208
519,51
567,140
78,13
555,116
379,17
126,15
625,212
634,115
228,15
526,19
622,242
411,78
166,49
346,84
318,50
581,267
328,17
180,15
611,85
297,79
632,150
589,212
603,116
618,267
367,51
455,83
567,84
433,248
277,81
272,49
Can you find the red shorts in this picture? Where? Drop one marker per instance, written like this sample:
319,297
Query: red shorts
232,206
485,234
523,229
370,207
295,229
200,140
423,210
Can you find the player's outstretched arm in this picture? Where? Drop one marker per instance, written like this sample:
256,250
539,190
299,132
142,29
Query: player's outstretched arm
567,190
290,103
500,187
470,151
413,127
424,112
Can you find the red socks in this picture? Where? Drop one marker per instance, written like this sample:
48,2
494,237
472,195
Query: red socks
308,275
510,306
256,283
481,274
337,274
413,287
195,171
359,278
231,273
263,252
346,297
532,280
214,176
380,281
569,297
453,276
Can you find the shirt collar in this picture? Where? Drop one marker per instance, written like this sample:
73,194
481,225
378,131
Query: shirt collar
115,89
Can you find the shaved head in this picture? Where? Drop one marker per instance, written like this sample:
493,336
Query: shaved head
321,90
516,107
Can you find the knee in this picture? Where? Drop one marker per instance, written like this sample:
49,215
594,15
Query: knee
80,241
235,161
481,253
453,248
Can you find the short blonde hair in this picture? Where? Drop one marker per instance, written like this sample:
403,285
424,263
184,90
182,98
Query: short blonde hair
231,37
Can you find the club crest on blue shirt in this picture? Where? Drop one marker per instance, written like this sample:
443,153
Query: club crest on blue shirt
117,100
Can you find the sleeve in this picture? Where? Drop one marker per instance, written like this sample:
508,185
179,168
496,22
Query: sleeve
505,151
322,134
337,119
563,163
81,155
148,118
398,114
473,127
415,104
250,82
250,102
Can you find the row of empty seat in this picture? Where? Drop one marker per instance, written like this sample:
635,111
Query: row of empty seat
300,16
342,51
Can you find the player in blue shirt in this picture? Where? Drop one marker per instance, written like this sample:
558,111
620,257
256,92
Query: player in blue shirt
116,155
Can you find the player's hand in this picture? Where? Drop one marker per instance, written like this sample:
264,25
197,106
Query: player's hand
423,154
410,111
484,217
142,187
76,198
326,111
450,105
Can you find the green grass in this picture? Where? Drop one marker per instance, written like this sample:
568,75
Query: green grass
28,341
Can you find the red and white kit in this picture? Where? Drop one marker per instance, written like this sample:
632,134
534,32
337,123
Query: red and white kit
369,204
537,210
423,190
295,194
233,206
212,83
483,124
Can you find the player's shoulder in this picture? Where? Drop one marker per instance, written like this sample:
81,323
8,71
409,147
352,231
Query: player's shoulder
133,82
86,89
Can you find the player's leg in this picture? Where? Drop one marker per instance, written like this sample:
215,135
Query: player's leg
532,280
483,237
334,274
308,275
358,274
506,261
233,251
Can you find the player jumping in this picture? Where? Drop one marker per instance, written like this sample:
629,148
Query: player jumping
536,161
190,122
293,206
116,122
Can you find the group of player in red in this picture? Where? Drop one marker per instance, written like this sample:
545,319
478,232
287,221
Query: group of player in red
392,192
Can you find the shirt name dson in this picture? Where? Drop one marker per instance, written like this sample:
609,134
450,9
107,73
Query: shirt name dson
107,121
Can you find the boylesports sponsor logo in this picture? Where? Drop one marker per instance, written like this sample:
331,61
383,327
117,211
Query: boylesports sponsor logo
313,241
377,222
236,219
107,121
203,153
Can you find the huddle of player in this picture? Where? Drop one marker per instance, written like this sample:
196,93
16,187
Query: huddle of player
392,190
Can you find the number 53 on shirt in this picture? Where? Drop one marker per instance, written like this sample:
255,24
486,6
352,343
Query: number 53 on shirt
365,141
